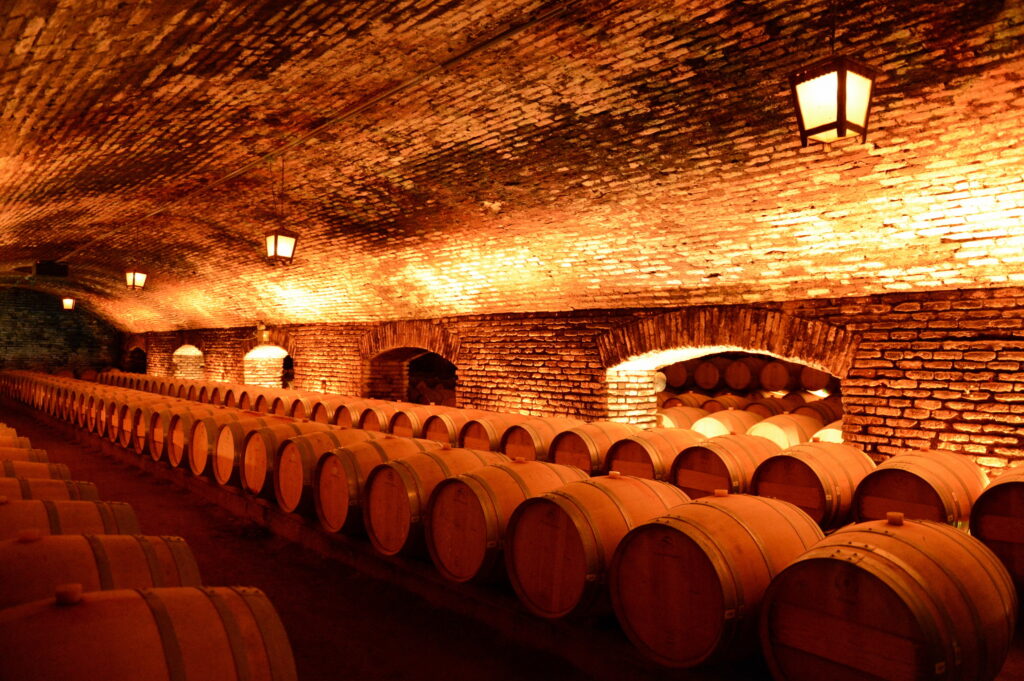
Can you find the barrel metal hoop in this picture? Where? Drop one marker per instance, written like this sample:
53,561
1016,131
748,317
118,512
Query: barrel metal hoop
234,634
26,487
103,567
53,516
275,640
110,524
168,637
155,569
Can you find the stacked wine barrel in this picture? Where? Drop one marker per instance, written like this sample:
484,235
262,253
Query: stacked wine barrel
696,534
78,580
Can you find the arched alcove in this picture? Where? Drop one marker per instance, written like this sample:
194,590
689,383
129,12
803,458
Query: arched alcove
188,362
264,365
634,353
136,361
412,375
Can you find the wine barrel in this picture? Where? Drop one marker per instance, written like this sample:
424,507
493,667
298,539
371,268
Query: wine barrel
531,440
301,407
15,442
141,419
297,457
690,399
397,493
679,374
586,447
186,633
723,402
33,566
728,422
926,485
21,454
339,477
813,379
826,411
778,376
768,406
680,417
650,453
997,520
687,586
466,519
709,374
66,517
324,408
45,488
483,432
890,600
259,447
833,432
819,477
558,545
32,469
725,462
786,430
744,374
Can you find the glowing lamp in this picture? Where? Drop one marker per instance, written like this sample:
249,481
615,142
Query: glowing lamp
281,245
134,279
833,99
68,303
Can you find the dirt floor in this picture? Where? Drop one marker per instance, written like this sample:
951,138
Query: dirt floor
342,624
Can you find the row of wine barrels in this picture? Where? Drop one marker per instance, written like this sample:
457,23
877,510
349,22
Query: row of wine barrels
15,441
23,454
259,447
66,517
32,469
222,436
32,565
47,488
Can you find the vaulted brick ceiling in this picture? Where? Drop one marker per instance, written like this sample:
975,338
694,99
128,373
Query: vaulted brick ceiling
618,153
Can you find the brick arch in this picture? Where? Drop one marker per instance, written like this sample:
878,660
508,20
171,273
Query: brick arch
632,353
430,336
813,343
269,336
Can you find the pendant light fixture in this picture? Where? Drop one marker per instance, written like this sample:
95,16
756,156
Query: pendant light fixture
832,96
281,242
134,278
67,303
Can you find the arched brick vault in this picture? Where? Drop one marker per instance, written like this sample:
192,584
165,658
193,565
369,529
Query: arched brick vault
816,344
271,336
430,336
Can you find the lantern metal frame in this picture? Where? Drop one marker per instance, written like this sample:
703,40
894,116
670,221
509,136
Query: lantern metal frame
135,278
841,65
272,239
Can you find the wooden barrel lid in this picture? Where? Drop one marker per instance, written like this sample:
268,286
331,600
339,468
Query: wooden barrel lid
458,529
550,582
389,511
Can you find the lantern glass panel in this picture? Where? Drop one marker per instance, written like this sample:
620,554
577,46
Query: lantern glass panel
271,245
818,102
285,246
135,279
68,303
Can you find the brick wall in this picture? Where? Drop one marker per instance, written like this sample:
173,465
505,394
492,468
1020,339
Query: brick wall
36,333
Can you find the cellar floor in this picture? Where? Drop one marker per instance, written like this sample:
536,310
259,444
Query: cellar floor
342,623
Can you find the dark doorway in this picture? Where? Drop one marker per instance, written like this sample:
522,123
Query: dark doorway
136,362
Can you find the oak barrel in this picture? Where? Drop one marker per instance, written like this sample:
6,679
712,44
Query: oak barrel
724,401
467,516
709,373
779,375
725,462
228,431
259,447
833,432
997,520
890,600
558,545
926,485
45,488
33,566
32,469
689,399
786,430
484,431
185,633
687,586
66,517
744,374
819,477
680,417
23,454
728,422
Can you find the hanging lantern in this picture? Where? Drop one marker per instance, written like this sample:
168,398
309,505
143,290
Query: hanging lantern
833,99
68,303
281,245
135,279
